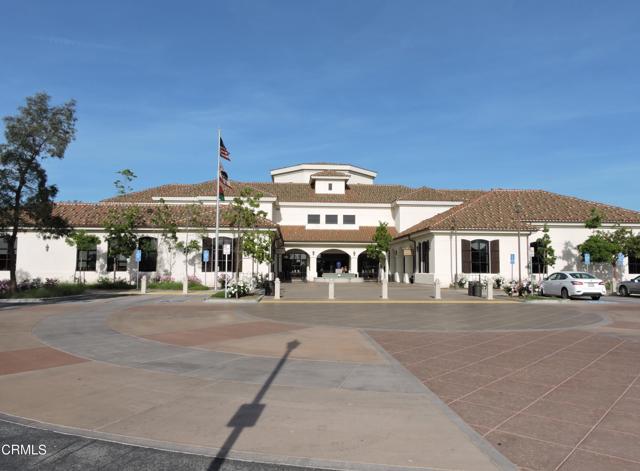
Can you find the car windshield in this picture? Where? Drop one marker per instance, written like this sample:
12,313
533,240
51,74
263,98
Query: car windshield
583,276
637,278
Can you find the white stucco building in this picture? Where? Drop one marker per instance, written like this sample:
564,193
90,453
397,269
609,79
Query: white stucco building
323,216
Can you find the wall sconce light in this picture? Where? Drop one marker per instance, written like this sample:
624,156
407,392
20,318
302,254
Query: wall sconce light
46,247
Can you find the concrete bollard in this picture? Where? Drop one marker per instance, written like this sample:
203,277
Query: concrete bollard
276,289
143,285
405,278
185,285
385,289
438,294
332,290
489,290
396,277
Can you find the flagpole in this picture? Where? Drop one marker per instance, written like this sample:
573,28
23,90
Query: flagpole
215,275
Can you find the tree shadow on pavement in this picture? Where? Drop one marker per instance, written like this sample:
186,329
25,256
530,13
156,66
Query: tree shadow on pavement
248,414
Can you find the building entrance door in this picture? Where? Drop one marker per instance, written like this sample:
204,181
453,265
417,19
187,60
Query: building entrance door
333,262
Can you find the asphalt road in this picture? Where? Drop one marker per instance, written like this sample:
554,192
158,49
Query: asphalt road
70,452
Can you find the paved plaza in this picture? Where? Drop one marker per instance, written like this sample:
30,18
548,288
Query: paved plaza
345,385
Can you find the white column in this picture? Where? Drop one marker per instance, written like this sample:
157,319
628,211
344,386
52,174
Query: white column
313,267
353,263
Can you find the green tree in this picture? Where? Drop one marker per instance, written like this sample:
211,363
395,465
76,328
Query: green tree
121,223
164,219
244,215
38,132
379,249
544,250
84,242
604,246
594,220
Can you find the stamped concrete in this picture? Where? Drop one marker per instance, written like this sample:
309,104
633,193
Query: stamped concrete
354,411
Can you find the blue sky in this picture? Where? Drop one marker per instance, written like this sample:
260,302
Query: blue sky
455,94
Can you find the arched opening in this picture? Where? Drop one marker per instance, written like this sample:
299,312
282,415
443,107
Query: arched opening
333,261
149,259
368,267
294,265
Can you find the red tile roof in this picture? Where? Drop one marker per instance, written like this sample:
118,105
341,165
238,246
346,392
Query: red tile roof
496,210
301,234
95,214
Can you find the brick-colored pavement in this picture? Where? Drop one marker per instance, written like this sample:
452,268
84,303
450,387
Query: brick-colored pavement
567,400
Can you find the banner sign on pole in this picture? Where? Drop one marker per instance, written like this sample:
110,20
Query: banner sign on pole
205,256
620,259
138,255
587,258
512,259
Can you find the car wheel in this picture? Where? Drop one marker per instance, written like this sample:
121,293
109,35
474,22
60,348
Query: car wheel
623,291
541,292
564,293
595,298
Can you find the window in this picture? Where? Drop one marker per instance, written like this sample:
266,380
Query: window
86,259
313,219
423,257
207,244
149,259
537,261
634,263
4,254
331,219
121,262
330,186
479,256
348,219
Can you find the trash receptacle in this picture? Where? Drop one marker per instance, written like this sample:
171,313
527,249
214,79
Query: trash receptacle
475,289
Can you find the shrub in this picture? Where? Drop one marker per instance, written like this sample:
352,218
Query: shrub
241,288
462,282
106,282
58,289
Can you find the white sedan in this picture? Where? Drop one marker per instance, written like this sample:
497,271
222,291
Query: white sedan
569,284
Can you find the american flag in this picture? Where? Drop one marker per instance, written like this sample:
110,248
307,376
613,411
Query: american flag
224,153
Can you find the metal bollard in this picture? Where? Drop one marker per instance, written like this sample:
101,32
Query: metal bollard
438,294
276,294
143,285
385,289
331,290
489,290
185,285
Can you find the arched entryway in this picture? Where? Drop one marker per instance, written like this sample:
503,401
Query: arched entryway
367,267
294,265
333,261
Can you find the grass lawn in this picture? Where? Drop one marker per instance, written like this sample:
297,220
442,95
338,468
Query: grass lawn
62,289
176,285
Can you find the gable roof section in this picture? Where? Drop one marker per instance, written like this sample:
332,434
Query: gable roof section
95,214
496,210
302,234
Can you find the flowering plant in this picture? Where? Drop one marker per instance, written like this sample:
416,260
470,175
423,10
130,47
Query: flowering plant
462,281
240,287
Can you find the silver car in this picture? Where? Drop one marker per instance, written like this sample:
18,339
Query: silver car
569,284
627,288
